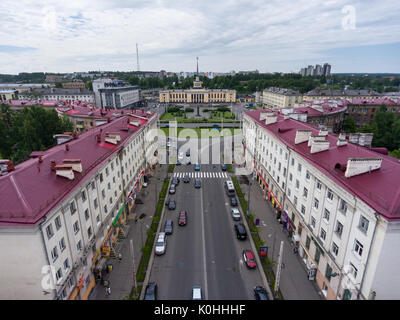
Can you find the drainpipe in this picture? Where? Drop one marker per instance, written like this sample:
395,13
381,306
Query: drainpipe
369,253
45,249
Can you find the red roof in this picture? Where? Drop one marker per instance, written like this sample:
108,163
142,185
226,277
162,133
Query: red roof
380,189
386,101
28,194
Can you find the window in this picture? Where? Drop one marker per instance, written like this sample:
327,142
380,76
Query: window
319,185
105,208
66,264
328,272
87,214
106,172
353,271
289,192
49,231
76,227
83,196
308,175
98,218
284,172
326,214
308,242
316,203
54,254
305,193
303,209
292,162
317,255
358,248
297,184
113,179
323,234
295,201
313,222
89,231
290,177
363,225
58,275
103,193
95,203
72,207
343,206
339,229
71,282
110,200
109,186
101,177
330,194
299,167
79,245
335,249
93,185
62,244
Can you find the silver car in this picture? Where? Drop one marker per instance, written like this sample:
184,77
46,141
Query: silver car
172,189
235,214
161,244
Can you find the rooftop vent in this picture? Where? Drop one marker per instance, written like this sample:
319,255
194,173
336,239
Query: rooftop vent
341,140
62,138
135,123
112,138
356,166
76,164
312,138
318,146
302,136
323,132
271,118
64,170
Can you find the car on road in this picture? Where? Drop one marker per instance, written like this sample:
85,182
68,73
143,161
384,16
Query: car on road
175,181
196,293
188,153
248,258
233,201
235,214
186,178
168,143
171,204
197,183
168,228
161,244
196,167
151,291
182,218
178,163
172,189
241,233
180,156
224,167
260,293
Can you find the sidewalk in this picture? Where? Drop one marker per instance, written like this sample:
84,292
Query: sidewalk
121,277
294,283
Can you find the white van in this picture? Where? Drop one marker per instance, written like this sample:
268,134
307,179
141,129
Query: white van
229,188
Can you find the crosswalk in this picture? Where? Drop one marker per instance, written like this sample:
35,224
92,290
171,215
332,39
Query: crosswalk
200,174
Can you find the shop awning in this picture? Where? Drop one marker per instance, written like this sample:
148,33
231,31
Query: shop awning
115,221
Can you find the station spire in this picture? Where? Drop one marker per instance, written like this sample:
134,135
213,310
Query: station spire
197,65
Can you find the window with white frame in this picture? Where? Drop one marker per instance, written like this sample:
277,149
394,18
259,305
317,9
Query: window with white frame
87,214
72,207
96,204
308,176
343,206
319,185
358,248
305,193
297,184
61,243
292,162
299,167
49,231
76,227
335,249
79,245
57,222
83,193
303,209
316,203
313,221
353,271
323,234
66,264
326,214
54,254
330,194
93,185
58,275
289,192
339,228
290,177
295,201
363,224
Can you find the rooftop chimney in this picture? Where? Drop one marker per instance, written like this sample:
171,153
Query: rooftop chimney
76,164
64,170
67,147
40,159
53,165
312,138
318,146
270,119
323,132
302,136
98,138
341,140
356,166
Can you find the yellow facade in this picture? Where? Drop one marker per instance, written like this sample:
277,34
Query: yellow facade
6,95
197,94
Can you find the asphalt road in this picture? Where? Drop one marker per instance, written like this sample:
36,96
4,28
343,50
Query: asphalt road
206,251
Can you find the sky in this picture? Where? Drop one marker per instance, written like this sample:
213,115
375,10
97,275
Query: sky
267,35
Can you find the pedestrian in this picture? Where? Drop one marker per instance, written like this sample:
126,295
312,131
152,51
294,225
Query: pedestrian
108,291
119,256
295,250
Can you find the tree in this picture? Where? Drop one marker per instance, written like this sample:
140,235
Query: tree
349,125
395,153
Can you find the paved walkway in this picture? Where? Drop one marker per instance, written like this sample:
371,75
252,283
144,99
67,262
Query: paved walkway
294,283
121,277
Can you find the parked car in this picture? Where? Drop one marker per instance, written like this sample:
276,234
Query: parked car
235,214
182,218
171,204
186,178
197,183
178,163
180,156
241,233
248,258
196,167
161,244
175,181
168,228
172,189
260,293
233,201
151,291
196,293
224,167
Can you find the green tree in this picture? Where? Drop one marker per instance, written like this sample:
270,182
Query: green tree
395,153
349,125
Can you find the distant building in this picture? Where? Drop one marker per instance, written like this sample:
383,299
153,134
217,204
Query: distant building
318,94
318,70
6,95
326,70
303,72
74,85
53,78
21,87
116,94
60,94
197,94
280,97
310,70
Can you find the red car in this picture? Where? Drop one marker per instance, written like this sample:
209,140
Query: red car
182,218
248,258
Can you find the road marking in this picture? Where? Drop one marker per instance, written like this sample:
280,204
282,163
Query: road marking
204,246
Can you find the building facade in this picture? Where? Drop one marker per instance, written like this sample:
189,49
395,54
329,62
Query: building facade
318,94
74,85
335,200
58,94
198,95
62,211
6,95
280,97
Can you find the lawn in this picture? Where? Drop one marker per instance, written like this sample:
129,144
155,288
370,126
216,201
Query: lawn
197,132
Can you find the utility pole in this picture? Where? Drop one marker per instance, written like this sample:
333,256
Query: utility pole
134,268
279,268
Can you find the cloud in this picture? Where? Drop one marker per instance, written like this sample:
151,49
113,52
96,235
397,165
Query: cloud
81,35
